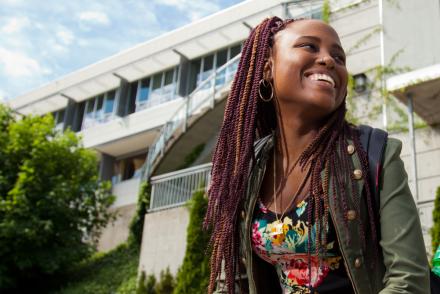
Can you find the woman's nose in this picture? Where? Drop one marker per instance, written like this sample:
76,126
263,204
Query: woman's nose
327,61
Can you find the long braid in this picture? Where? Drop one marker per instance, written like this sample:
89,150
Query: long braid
246,118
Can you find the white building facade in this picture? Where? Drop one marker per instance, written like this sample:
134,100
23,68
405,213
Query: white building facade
145,110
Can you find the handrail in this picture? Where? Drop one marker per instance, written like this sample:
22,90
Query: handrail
193,103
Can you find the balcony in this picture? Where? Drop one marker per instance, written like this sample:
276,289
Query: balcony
176,188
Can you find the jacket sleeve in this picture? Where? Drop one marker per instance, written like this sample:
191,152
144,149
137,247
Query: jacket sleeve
404,253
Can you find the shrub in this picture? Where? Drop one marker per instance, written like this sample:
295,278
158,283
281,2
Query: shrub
166,283
193,275
137,223
435,230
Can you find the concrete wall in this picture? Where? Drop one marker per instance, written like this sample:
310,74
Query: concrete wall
117,232
413,26
164,240
126,192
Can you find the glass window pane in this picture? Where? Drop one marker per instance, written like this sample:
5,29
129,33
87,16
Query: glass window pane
222,56
144,90
90,106
60,117
110,102
169,77
235,50
208,62
100,101
157,81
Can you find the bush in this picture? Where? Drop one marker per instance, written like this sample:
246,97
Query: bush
166,283
50,201
435,230
193,275
137,223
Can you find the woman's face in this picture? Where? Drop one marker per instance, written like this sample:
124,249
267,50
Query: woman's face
308,68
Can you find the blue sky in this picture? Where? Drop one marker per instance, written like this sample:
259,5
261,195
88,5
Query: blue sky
43,40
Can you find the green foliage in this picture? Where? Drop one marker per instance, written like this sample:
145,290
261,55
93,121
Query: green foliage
435,230
326,11
146,284
192,156
103,273
193,275
166,283
137,223
51,203
351,104
150,285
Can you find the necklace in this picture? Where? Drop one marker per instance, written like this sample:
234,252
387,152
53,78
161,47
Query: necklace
278,226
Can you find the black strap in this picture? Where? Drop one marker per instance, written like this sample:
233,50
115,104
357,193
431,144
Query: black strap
373,141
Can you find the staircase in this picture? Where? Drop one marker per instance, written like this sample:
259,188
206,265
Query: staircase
204,98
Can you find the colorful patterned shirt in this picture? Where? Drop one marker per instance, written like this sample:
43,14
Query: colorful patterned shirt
287,252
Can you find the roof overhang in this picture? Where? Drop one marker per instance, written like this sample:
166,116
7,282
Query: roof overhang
219,30
423,85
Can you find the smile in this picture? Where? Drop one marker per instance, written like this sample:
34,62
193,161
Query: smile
322,77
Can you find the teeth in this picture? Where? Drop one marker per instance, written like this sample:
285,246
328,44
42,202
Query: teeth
322,77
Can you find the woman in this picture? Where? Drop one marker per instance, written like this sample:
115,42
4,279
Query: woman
294,209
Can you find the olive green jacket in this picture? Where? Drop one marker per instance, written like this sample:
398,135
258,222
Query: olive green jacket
403,267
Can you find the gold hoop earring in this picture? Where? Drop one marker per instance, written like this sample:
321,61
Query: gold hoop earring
265,85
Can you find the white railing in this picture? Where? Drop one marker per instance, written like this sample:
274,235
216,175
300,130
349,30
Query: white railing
195,103
176,188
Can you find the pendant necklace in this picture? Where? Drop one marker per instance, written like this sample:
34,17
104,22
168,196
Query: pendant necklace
278,226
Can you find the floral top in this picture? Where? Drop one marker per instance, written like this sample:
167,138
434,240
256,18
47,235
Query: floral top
286,245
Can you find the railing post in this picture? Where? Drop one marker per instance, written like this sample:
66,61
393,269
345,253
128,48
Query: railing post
185,119
213,89
152,196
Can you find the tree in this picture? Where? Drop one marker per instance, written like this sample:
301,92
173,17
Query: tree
52,206
193,275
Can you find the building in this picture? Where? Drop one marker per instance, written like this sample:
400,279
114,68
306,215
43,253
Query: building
149,109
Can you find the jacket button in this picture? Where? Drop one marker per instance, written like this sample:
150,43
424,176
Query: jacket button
357,174
351,214
243,214
357,263
350,149
243,260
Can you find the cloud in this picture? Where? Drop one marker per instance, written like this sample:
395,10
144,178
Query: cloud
16,64
94,17
15,24
65,36
196,9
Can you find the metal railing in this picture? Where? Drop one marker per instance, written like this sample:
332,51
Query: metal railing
176,188
195,103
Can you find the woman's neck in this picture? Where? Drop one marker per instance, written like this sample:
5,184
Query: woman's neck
293,136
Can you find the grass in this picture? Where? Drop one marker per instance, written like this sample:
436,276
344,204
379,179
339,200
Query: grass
104,273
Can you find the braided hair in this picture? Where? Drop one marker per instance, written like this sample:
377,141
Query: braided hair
246,118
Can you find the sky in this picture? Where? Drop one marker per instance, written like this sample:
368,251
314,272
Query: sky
41,41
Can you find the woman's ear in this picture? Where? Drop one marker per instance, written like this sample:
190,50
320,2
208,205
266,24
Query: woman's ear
267,70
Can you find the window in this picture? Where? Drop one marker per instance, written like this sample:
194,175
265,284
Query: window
144,90
109,103
128,168
213,62
159,88
234,51
99,109
222,57
58,117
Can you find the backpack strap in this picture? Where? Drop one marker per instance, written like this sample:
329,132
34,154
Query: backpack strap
374,141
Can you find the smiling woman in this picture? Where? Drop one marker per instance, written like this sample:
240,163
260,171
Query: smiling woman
288,202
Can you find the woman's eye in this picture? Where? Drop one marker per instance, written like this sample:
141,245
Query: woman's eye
309,45
339,58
